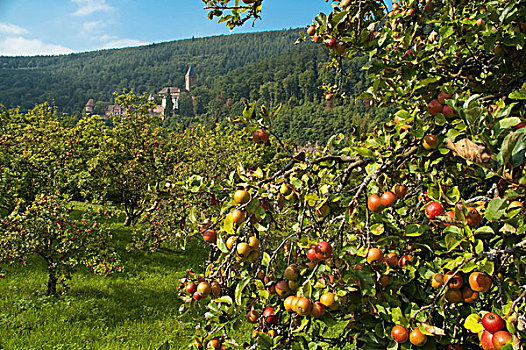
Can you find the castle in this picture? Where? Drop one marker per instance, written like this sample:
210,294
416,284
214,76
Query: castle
175,93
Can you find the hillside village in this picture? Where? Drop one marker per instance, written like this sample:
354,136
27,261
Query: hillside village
174,92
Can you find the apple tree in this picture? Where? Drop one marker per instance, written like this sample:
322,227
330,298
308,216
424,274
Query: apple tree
40,154
46,228
206,158
126,160
410,236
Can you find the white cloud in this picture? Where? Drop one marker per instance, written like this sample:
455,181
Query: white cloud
115,44
90,26
108,37
11,29
19,46
87,7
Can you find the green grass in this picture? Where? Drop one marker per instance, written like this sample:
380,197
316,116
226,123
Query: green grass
135,309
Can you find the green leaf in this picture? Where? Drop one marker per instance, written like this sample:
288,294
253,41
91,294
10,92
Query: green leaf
470,266
496,208
414,230
363,151
228,224
224,299
336,19
452,240
489,268
446,31
239,289
221,243
473,324
484,230
311,199
506,123
403,114
265,260
508,145
264,341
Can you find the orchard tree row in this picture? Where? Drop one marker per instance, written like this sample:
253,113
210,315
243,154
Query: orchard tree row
47,160
410,236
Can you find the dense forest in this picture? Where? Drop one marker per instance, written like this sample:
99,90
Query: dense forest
266,67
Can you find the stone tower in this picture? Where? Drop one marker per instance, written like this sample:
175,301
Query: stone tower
90,106
190,78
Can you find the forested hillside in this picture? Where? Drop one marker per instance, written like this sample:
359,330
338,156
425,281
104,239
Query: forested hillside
266,67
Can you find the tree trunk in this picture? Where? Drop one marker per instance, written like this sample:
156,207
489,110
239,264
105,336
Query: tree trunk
52,281
130,213
128,221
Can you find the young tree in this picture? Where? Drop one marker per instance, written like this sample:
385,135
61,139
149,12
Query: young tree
407,236
46,228
39,154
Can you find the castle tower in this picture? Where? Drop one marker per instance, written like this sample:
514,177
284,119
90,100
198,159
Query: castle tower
190,78
90,106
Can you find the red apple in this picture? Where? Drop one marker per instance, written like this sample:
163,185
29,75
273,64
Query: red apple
197,295
434,107
191,288
434,209
486,341
312,253
210,236
269,316
448,111
331,43
493,322
443,96
324,250
399,334
500,338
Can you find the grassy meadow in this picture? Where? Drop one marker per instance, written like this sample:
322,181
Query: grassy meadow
133,309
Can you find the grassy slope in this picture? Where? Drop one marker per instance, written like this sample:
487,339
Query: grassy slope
135,309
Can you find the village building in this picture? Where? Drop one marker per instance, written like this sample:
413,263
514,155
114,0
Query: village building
172,91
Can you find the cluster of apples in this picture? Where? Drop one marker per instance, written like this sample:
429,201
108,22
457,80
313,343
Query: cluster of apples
286,286
457,290
241,197
269,318
377,203
331,43
439,105
319,252
397,11
375,256
435,209
304,306
201,289
245,251
401,335
494,336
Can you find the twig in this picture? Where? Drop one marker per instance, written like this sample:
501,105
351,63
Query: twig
515,302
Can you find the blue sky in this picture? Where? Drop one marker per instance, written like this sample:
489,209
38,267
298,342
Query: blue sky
31,27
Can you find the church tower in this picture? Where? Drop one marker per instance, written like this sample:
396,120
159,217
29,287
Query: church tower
190,78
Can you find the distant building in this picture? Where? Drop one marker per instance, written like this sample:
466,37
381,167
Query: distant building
172,91
90,106
190,79
113,110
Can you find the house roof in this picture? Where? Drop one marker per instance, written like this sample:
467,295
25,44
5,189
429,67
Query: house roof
90,103
191,72
172,90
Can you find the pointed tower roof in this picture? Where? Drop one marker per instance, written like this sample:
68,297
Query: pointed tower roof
191,72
